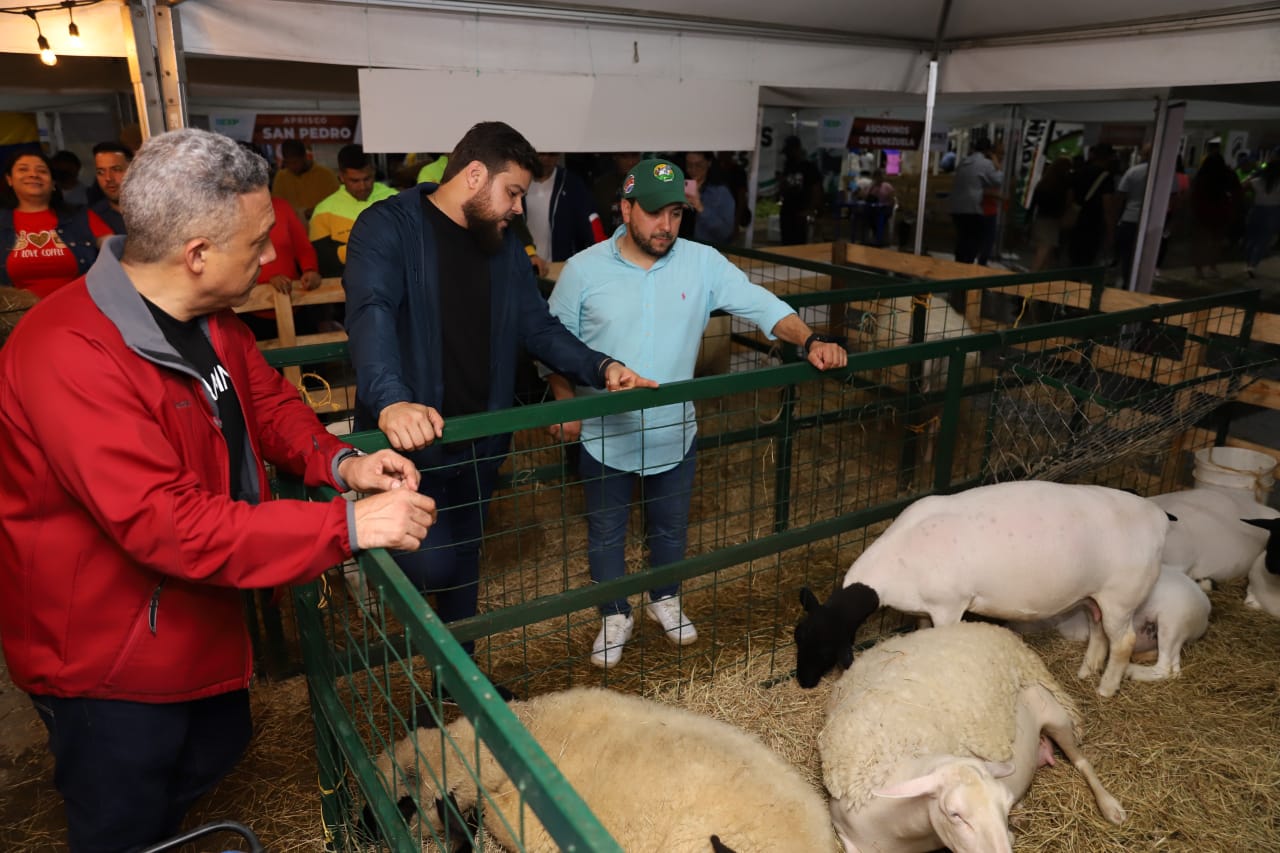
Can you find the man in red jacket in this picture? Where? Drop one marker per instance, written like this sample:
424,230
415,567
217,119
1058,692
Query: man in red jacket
135,417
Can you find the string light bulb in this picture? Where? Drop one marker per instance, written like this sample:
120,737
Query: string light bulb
73,32
47,56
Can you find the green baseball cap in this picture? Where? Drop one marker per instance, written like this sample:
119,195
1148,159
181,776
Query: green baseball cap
654,184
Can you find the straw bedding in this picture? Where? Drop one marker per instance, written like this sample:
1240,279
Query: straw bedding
1195,761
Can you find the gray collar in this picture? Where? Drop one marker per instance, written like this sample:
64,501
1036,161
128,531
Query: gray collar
114,294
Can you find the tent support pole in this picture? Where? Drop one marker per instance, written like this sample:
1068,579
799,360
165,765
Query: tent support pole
173,66
140,51
1155,203
930,96
1009,179
753,182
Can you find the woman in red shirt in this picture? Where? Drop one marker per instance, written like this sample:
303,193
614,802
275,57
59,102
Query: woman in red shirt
44,244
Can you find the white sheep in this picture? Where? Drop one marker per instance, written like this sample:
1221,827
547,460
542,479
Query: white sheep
890,325
932,736
1024,550
659,778
1174,614
1264,578
1213,539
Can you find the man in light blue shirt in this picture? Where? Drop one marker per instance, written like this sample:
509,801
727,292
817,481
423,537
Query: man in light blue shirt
649,295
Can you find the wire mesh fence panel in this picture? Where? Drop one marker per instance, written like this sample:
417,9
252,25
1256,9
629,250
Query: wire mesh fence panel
417,750
795,472
1073,409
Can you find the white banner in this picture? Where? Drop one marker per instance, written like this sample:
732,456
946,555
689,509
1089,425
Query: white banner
238,124
938,137
833,131
591,113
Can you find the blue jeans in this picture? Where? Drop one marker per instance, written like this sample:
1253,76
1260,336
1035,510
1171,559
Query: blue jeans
1261,228
129,771
448,563
664,499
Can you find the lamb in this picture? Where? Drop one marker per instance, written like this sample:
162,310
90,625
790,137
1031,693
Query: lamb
659,778
1023,550
1220,535
932,736
1264,580
1174,614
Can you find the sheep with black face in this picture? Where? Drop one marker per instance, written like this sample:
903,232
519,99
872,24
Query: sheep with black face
1022,551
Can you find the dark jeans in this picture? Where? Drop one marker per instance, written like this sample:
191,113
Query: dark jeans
969,236
129,771
1261,227
988,243
448,563
1085,242
794,227
1126,242
664,499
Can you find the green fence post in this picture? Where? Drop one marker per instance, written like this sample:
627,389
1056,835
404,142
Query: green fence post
915,385
782,468
949,428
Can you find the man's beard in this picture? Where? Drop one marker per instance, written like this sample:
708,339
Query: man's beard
651,250
483,225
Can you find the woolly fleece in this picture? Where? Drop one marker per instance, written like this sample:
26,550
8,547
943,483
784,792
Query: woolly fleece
948,690
659,778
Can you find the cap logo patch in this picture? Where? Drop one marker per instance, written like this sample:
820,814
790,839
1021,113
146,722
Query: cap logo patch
663,172
629,185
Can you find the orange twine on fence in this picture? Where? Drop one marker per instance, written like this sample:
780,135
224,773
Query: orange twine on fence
326,400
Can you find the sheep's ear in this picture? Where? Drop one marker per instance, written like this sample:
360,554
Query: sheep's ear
458,823
999,769
424,717
718,846
1271,525
921,786
808,600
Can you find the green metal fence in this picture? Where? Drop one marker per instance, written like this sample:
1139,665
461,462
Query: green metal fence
797,472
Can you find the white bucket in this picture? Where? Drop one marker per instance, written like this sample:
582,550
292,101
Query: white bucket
1235,468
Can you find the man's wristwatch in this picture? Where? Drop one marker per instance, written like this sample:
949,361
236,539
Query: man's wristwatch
819,338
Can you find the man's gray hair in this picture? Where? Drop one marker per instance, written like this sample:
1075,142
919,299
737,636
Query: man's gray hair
185,184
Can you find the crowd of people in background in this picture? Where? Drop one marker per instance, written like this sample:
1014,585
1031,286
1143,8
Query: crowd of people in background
1088,210
1082,211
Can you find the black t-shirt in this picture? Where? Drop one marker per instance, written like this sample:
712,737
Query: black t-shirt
189,340
1048,201
465,314
1091,183
799,177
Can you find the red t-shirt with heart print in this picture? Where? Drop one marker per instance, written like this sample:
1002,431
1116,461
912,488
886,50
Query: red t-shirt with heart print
40,261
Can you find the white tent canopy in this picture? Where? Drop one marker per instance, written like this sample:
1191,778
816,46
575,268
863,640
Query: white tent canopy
577,56
572,59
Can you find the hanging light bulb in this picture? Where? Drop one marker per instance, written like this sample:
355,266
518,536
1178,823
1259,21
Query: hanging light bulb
47,56
73,31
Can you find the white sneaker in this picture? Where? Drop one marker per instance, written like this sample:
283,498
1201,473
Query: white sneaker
614,633
667,613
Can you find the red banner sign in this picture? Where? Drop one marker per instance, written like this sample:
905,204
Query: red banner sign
273,128
886,133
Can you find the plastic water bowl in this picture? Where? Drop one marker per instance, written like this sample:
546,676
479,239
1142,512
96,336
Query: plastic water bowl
1235,468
